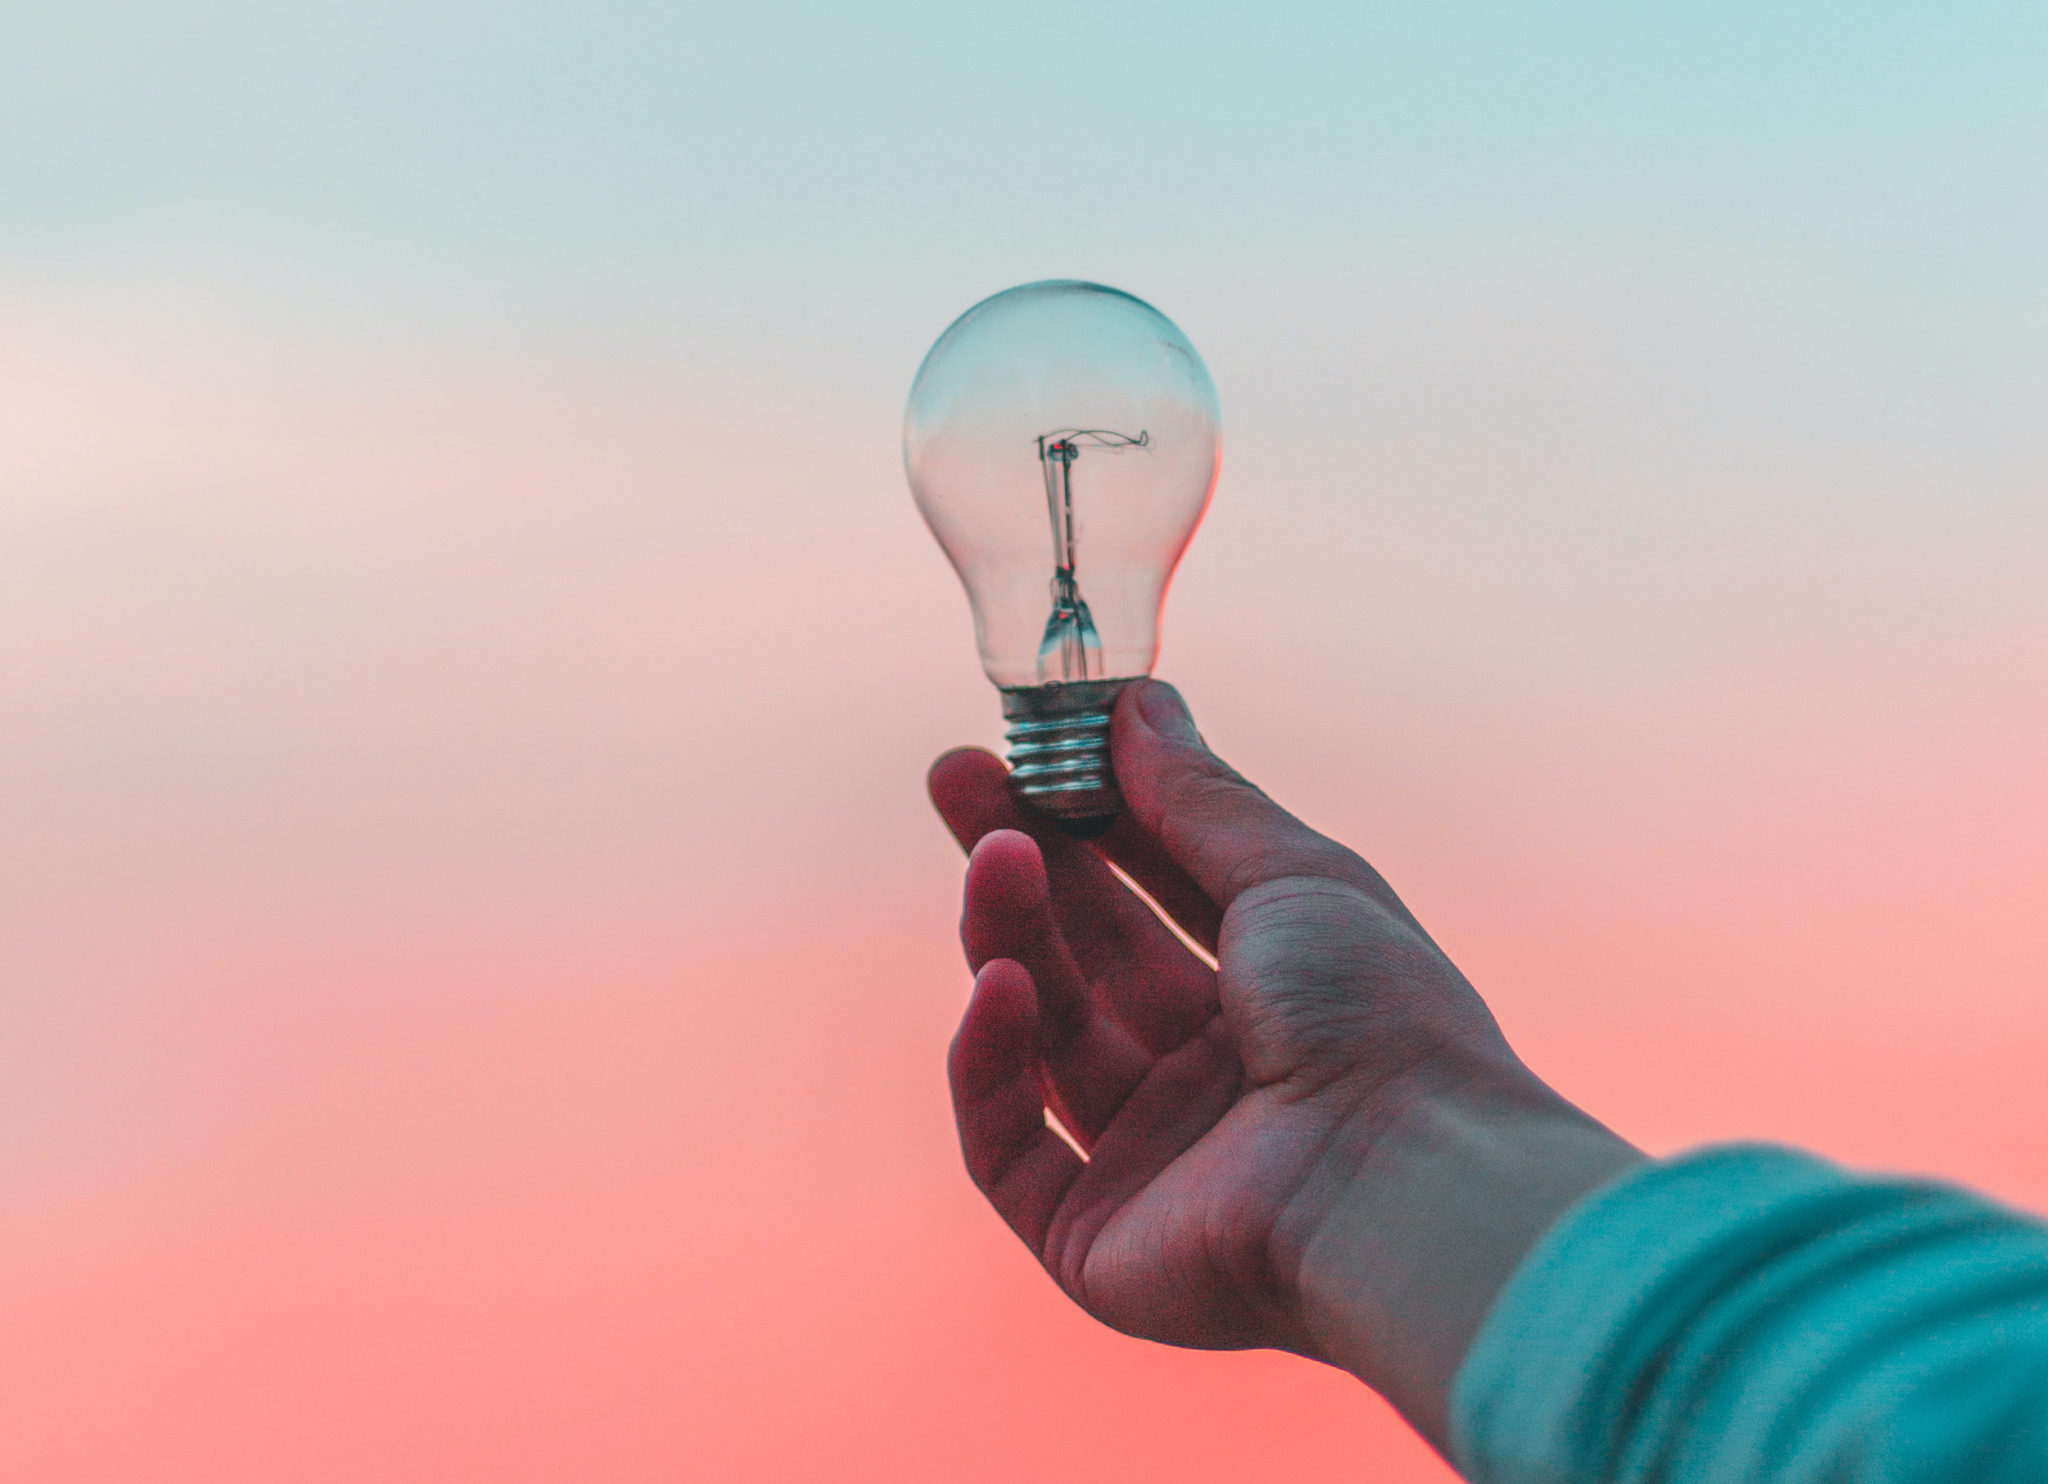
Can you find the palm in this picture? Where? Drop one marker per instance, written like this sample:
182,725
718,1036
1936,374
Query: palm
1186,1258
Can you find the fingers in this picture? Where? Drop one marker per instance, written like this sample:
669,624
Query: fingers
970,788
1141,858
1022,1166
1091,1061
1210,823
1144,975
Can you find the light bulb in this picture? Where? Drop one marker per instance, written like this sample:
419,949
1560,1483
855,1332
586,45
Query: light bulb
1062,443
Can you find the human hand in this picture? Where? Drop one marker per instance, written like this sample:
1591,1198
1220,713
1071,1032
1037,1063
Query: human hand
1268,1139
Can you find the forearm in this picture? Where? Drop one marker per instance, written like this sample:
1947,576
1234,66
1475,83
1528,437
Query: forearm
1431,1200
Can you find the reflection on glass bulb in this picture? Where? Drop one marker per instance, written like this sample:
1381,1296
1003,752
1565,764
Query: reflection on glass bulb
1097,399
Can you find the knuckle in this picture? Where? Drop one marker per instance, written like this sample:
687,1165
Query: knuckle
1214,784
1328,978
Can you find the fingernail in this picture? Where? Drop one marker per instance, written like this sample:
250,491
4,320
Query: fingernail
1166,713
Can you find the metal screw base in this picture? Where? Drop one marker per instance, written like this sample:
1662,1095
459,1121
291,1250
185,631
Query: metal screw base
1059,752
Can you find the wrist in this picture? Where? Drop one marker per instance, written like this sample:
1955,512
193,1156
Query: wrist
1427,1199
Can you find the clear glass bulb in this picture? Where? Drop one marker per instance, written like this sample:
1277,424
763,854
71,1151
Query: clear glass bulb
1062,443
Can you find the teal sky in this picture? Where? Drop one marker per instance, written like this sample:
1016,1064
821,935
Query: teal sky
880,143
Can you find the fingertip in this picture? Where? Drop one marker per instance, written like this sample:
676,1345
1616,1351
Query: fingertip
995,1041
1152,725
1157,751
1160,707
1006,981
959,771
970,788
1004,861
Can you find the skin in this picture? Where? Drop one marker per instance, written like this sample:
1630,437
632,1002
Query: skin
1309,1135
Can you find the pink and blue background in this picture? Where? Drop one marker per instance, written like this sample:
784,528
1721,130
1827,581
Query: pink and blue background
474,958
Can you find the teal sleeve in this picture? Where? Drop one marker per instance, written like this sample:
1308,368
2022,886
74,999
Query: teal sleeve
1754,1314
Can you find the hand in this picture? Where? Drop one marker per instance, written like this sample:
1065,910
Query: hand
1276,1143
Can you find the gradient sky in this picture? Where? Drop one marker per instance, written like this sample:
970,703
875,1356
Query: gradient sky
474,961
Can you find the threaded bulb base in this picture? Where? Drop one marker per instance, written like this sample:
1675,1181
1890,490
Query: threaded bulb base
1059,752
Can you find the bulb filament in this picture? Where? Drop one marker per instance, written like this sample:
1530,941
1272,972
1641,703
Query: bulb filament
1070,631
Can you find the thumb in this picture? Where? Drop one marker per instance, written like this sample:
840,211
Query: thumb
1220,829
